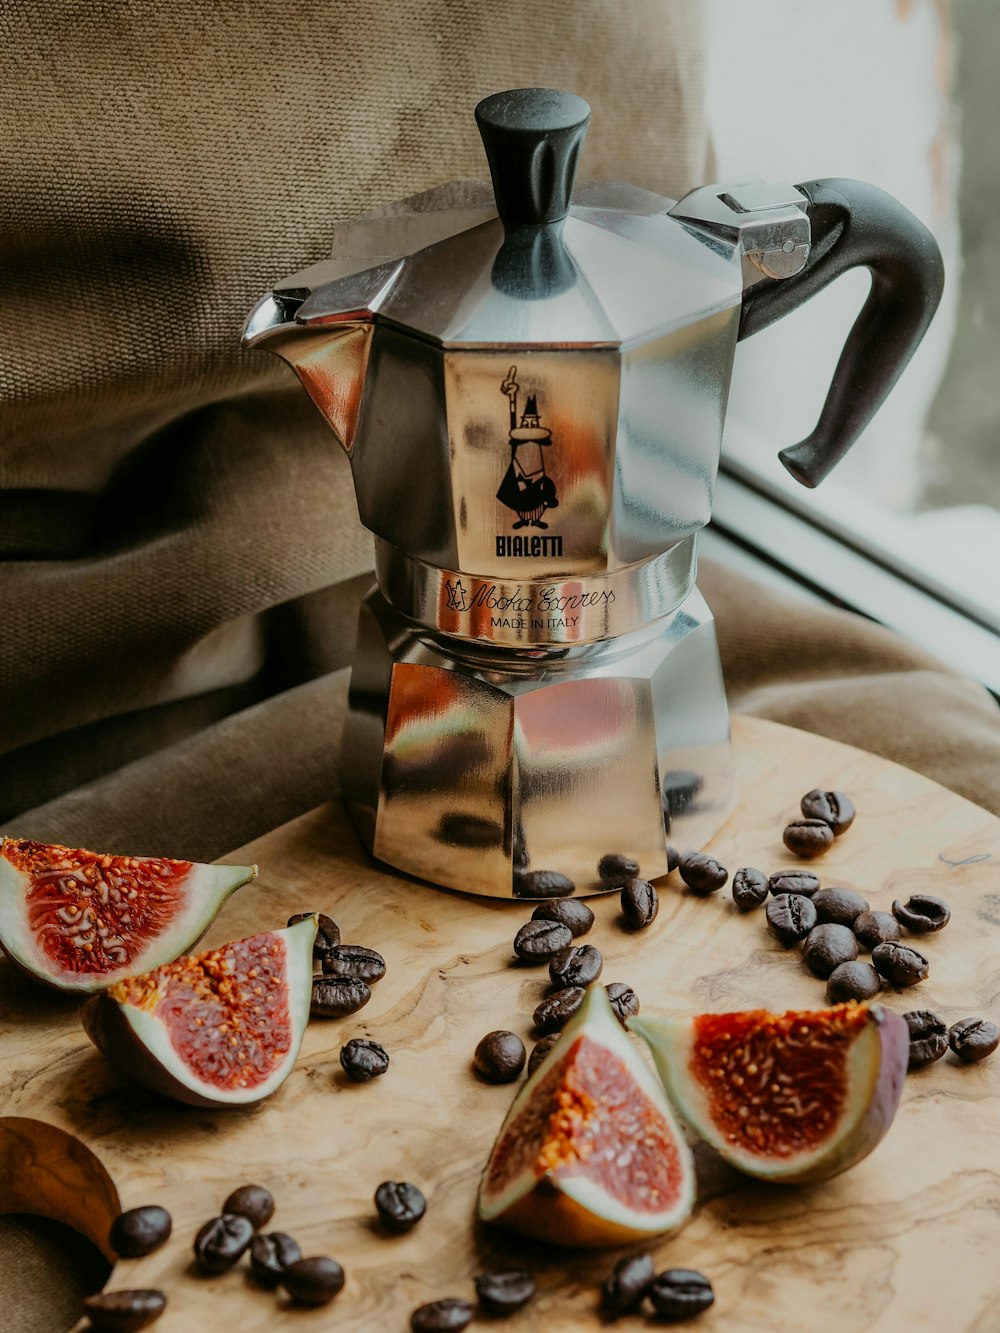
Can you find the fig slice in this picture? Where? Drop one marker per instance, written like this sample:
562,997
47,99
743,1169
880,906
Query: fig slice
80,921
220,1028
791,1097
590,1153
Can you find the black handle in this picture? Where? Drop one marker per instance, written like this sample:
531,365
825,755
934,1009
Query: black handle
532,138
855,225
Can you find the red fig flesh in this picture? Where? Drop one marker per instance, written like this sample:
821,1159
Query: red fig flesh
789,1097
589,1153
80,921
220,1028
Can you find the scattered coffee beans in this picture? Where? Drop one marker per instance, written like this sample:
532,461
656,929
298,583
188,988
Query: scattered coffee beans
827,946
579,965
624,1000
626,1284
871,928
572,913
355,963
338,997
363,1060
616,868
899,964
499,1057
327,933
702,873
270,1255
922,913
538,941
400,1205
790,917
222,1242
841,906
973,1039
803,882
313,1281
680,1293
673,859
832,807
253,1202
749,888
808,838
542,884
852,981
640,903
928,1038
139,1231
540,1050
505,1292
445,1316
554,1013
124,1311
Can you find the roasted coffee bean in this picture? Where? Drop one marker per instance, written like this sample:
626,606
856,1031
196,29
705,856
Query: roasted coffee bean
803,882
901,965
616,868
827,946
538,941
871,928
973,1039
337,997
124,1311
139,1231
363,1060
505,1292
842,907
624,1000
640,903
570,912
852,981
270,1255
540,1050
222,1242
253,1202
790,917
833,807
928,1038
750,888
469,831
678,790
807,838
680,1293
327,933
578,965
354,962
922,913
554,1013
444,1316
702,873
624,1287
400,1205
542,884
313,1281
673,859
499,1057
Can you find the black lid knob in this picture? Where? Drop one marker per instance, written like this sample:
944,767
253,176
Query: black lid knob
532,138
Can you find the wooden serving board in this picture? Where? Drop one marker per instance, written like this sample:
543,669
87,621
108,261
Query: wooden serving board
908,1239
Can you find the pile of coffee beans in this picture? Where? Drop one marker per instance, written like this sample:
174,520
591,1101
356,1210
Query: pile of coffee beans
343,974
499,1294
678,1293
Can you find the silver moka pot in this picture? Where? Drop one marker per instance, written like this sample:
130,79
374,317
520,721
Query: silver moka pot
532,397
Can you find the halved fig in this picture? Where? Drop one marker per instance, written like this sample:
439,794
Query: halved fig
590,1153
80,921
220,1028
790,1097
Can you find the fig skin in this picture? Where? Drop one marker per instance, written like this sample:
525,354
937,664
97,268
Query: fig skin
886,1028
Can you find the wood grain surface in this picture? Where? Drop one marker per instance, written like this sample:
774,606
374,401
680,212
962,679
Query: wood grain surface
906,1240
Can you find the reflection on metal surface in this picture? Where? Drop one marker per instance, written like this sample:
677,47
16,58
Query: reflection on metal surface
463,771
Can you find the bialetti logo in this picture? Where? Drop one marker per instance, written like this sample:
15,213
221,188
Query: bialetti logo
527,489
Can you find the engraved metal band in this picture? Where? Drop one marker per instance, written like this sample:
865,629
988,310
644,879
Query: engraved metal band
527,613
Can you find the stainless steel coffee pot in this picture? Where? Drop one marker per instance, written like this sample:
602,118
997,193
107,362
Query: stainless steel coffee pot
531,393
